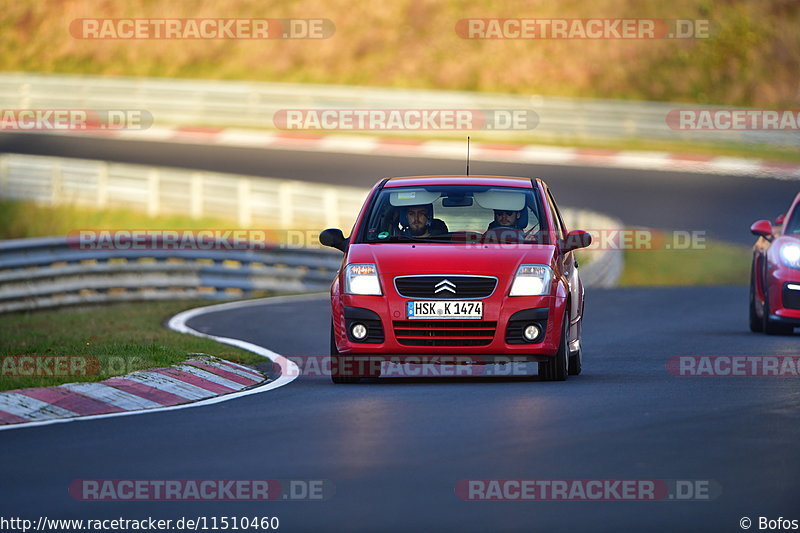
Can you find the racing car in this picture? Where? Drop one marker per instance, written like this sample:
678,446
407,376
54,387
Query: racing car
479,266
775,274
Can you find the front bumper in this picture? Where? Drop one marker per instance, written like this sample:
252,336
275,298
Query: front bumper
784,296
494,338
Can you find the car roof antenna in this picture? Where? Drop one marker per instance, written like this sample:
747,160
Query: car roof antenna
467,155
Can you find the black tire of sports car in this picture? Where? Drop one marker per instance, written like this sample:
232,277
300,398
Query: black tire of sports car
575,362
336,365
756,325
556,369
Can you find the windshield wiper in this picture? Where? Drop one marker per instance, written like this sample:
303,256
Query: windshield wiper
401,238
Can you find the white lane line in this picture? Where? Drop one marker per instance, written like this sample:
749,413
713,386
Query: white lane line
290,370
338,143
111,396
208,376
243,138
26,407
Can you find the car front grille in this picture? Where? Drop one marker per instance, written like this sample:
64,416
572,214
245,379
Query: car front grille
442,287
444,332
791,297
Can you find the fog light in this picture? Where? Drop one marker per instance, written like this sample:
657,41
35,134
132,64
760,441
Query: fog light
359,331
531,332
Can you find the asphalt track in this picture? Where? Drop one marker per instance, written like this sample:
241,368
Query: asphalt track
722,206
396,448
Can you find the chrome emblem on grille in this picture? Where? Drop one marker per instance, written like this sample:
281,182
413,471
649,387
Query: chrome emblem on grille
445,285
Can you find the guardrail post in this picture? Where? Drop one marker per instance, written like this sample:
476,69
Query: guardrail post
102,185
56,180
285,201
196,195
331,202
4,193
243,203
24,95
153,186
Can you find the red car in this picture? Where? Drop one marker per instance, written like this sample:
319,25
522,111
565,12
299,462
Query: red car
474,266
775,274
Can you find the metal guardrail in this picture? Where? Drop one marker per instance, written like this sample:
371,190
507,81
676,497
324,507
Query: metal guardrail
253,105
51,272
252,201
55,272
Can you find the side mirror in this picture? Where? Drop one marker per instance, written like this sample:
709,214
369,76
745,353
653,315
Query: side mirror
334,238
576,239
762,228
779,220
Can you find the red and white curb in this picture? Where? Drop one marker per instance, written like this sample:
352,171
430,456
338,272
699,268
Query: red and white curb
492,152
195,379
196,382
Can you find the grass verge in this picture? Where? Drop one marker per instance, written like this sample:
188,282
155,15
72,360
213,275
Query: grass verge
719,263
22,220
122,338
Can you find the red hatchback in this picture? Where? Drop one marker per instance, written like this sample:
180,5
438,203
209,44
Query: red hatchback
775,274
475,266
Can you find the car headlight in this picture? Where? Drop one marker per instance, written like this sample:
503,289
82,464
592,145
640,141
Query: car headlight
362,278
790,255
531,280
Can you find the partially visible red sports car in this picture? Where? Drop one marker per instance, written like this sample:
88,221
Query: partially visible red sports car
473,266
775,274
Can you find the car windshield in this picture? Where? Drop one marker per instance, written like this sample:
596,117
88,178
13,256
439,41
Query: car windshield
793,226
457,213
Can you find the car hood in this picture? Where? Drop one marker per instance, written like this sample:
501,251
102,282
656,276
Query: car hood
396,259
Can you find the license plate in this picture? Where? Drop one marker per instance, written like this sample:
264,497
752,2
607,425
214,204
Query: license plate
445,309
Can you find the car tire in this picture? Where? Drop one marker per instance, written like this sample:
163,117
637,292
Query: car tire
556,369
756,324
575,362
336,363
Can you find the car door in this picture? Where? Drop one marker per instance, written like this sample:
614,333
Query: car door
568,266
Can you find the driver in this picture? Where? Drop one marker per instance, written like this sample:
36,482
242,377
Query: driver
417,221
505,227
505,219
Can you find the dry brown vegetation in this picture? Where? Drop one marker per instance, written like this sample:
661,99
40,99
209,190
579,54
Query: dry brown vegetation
753,58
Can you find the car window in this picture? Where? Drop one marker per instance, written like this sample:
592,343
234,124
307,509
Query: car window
793,226
560,229
450,211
